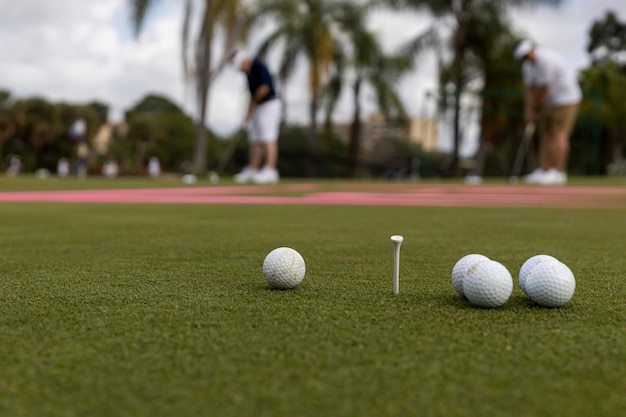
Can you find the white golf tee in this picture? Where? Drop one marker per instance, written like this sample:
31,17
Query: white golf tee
397,241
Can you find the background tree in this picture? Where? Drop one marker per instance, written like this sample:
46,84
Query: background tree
606,79
37,130
460,18
309,29
361,62
156,127
222,22
493,83
7,124
607,41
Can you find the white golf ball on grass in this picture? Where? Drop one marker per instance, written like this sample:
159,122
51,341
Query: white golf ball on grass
459,272
488,284
284,268
550,284
530,264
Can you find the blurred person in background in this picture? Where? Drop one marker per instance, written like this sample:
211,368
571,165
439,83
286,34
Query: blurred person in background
262,120
551,100
78,133
13,165
154,167
63,167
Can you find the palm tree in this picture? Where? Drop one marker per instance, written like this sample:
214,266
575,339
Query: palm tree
306,28
461,16
228,18
363,60
607,40
487,72
607,77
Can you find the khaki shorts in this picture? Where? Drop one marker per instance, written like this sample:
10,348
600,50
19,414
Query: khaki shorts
559,119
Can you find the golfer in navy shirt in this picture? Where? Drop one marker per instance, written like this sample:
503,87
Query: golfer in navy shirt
262,120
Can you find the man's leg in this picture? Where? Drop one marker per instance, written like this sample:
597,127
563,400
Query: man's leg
555,135
255,156
559,123
271,154
543,129
269,123
561,150
551,139
270,129
564,124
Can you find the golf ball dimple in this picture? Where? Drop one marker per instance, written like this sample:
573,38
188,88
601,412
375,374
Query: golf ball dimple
550,284
488,284
459,272
284,268
530,264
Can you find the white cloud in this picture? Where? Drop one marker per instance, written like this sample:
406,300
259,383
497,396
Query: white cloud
77,50
565,28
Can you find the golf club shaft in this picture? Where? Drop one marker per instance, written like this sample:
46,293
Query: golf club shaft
229,151
529,130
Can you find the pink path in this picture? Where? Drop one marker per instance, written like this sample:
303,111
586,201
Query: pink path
360,194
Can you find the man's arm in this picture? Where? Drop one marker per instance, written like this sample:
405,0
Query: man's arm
256,98
534,99
541,92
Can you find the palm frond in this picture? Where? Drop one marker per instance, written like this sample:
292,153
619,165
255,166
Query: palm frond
138,11
430,39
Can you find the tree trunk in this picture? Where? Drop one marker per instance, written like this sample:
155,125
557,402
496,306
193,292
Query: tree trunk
454,165
459,60
313,168
203,64
355,133
201,146
479,159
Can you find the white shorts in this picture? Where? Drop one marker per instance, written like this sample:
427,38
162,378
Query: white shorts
264,125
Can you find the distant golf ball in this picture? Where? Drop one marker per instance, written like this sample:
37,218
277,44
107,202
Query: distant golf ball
284,268
550,283
459,271
530,264
488,284
189,179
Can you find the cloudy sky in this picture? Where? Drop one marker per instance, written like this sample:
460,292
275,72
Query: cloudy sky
78,50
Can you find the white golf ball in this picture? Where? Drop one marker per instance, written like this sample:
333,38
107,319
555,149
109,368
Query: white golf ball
459,272
189,179
530,264
550,283
284,268
488,284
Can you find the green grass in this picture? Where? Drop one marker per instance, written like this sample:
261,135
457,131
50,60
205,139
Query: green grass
53,183
162,310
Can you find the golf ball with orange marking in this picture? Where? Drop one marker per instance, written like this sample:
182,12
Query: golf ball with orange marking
459,272
488,284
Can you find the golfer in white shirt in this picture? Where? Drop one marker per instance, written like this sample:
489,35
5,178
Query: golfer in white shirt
551,100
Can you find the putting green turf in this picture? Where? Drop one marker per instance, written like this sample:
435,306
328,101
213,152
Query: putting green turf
162,310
